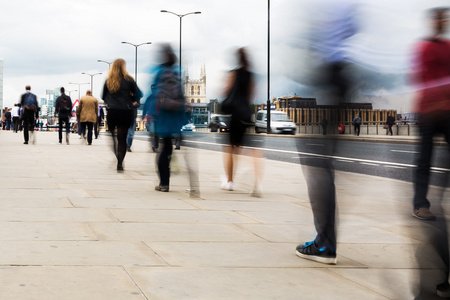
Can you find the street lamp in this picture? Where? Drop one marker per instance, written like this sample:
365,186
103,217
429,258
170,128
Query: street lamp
106,62
181,16
135,57
92,75
71,91
268,69
79,84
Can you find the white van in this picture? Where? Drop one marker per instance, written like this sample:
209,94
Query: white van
279,122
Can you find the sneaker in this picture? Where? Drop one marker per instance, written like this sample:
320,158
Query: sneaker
228,186
443,290
256,192
424,213
310,251
129,149
162,188
59,142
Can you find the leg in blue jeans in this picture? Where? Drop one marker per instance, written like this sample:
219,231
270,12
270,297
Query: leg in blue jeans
130,134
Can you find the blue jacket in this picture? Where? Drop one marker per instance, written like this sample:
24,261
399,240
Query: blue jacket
168,122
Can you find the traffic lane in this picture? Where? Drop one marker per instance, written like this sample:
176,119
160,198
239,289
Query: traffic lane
391,153
382,168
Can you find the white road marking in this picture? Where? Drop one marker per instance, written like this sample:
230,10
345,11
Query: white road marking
327,156
345,160
405,151
396,167
369,164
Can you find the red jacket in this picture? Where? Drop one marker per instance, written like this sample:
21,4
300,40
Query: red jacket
432,75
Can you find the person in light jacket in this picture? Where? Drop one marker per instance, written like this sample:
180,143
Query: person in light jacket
87,114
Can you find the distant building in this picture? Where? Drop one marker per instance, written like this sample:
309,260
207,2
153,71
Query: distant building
195,89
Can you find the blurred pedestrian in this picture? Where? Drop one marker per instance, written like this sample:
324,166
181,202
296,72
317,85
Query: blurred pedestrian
16,117
170,111
87,112
357,124
119,93
324,124
149,114
100,119
335,20
239,91
30,107
132,129
8,118
390,121
63,110
431,75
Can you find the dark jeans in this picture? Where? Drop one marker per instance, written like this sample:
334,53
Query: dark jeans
319,174
90,126
164,161
389,130
28,124
97,127
422,174
16,121
61,121
357,129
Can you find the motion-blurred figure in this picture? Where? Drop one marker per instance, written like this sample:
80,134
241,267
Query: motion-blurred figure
100,118
119,93
432,77
170,111
63,109
239,90
30,111
335,23
87,112
150,118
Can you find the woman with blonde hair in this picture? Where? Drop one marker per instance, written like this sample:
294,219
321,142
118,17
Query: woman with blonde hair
119,93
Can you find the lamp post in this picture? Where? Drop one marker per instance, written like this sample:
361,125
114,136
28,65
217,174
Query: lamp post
106,62
71,91
92,76
79,84
135,57
181,17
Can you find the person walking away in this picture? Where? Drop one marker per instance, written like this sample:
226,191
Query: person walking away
15,117
119,93
390,122
132,129
170,113
30,109
149,113
87,113
239,91
357,124
335,23
63,110
431,76
100,118
8,118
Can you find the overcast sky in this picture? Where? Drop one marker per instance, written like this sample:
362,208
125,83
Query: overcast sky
49,43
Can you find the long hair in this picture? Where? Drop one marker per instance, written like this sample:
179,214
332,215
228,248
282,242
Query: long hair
117,72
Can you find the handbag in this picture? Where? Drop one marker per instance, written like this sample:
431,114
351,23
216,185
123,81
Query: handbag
386,126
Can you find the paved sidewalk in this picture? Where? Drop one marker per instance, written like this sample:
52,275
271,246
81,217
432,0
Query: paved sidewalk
71,227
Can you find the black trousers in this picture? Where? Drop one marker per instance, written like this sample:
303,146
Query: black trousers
67,123
118,123
164,161
16,123
357,129
89,126
28,123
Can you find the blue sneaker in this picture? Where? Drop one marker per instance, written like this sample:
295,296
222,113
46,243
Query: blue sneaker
310,251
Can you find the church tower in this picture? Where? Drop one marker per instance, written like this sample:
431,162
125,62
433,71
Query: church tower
195,89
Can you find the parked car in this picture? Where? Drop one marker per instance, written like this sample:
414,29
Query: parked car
188,127
220,123
279,122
